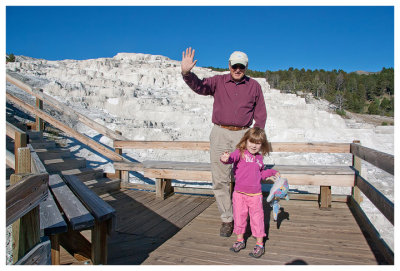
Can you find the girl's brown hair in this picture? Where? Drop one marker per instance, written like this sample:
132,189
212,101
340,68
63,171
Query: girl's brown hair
254,135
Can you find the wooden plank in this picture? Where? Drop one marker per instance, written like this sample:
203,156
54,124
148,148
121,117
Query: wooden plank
163,188
76,245
82,138
39,255
127,165
357,165
39,121
163,145
10,159
190,166
51,220
11,130
326,197
314,170
77,214
177,174
313,147
36,164
25,195
57,165
99,243
55,249
384,205
193,242
379,159
100,209
48,154
43,145
310,147
29,231
295,179
24,160
84,174
64,109
20,141
384,249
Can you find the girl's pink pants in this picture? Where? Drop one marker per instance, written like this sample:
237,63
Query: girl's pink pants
244,205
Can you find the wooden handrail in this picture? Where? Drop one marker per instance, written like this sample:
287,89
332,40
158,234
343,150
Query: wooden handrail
64,109
11,130
10,159
379,159
25,195
82,138
383,204
311,147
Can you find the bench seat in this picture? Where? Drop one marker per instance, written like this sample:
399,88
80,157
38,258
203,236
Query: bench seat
323,176
296,174
75,208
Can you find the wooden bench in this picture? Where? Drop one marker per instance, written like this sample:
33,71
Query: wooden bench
323,176
70,208
82,209
165,171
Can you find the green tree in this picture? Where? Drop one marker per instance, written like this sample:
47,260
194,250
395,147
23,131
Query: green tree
373,108
10,58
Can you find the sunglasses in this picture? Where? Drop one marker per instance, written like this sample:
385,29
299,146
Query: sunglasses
240,66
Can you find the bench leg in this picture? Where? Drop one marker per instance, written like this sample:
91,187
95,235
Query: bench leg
55,249
163,188
99,242
76,245
325,197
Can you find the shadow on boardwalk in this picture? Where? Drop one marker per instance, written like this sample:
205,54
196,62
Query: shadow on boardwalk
145,222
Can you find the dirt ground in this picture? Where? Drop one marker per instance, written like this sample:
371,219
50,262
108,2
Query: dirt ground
372,119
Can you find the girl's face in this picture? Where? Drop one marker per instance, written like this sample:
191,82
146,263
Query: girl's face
253,148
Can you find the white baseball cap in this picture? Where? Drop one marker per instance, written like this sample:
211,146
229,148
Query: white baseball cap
238,57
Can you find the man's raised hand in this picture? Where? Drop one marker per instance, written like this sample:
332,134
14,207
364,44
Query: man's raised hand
187,61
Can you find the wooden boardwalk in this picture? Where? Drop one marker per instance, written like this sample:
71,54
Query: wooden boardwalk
184,229
144,222
304,235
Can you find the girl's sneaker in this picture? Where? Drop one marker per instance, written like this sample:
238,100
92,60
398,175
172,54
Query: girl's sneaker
238,246
257,252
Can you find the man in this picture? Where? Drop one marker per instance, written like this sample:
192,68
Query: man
238,100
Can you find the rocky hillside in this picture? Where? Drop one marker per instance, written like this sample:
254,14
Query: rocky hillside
145,98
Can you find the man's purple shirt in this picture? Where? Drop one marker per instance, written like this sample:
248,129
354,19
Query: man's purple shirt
235,104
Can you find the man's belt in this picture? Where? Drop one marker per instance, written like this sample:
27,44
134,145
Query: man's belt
232,128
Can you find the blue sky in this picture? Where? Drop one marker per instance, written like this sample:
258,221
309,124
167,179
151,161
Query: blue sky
274,37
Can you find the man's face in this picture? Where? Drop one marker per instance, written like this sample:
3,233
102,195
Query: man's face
237,71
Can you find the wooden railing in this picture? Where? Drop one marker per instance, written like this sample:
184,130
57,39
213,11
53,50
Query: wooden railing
385,162
41,115
28,188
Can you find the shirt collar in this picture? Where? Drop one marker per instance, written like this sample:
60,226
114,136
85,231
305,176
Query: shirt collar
228,78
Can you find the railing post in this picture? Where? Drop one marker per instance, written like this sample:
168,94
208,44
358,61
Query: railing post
26,230
20,141
117,173
39,121
356,193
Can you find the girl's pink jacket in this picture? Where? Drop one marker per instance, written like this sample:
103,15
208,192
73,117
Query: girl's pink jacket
248,171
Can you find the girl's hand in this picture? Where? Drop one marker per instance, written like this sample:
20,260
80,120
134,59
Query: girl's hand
225,157
277,175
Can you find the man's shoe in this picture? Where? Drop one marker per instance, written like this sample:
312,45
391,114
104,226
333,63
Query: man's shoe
226,229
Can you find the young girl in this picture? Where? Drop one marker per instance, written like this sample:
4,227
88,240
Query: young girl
247,197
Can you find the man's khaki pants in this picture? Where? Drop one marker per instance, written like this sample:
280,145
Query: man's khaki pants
222,140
